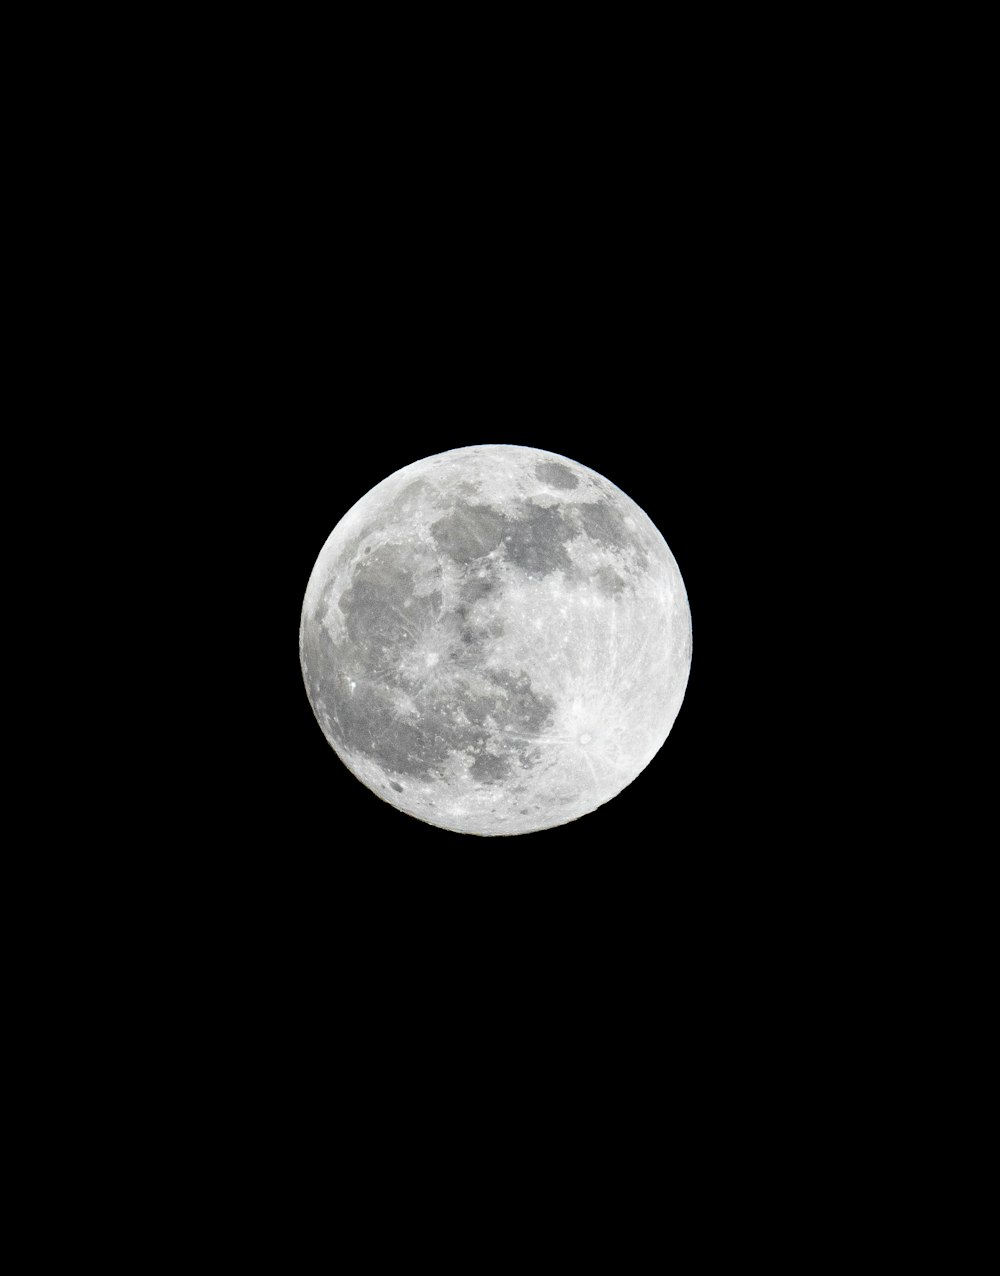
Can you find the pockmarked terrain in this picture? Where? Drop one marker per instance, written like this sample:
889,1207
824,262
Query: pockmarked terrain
496,640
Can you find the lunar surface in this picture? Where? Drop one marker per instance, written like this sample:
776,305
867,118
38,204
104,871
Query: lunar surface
496,640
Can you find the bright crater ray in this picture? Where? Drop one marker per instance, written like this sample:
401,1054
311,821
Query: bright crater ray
496,640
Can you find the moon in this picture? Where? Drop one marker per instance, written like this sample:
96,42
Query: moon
495,640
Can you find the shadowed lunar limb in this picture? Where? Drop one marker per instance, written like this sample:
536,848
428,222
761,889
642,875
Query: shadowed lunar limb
495,640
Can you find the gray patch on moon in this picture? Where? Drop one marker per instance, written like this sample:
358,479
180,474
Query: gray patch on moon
605,524
456,719
536,540
608,581
469,532
409,497
476,587
557,475
489,768
477,627
525,708
365,719
364,684
381,606
534,536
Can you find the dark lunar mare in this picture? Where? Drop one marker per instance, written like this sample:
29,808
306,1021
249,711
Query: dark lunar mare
534,537
605,523
358,680
536,540
557,475
608,581
469,532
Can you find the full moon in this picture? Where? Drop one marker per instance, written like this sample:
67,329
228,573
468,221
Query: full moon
496,640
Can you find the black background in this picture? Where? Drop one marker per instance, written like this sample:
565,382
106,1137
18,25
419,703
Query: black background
323,281
342,311
712,788
659,362
638,296
340,918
